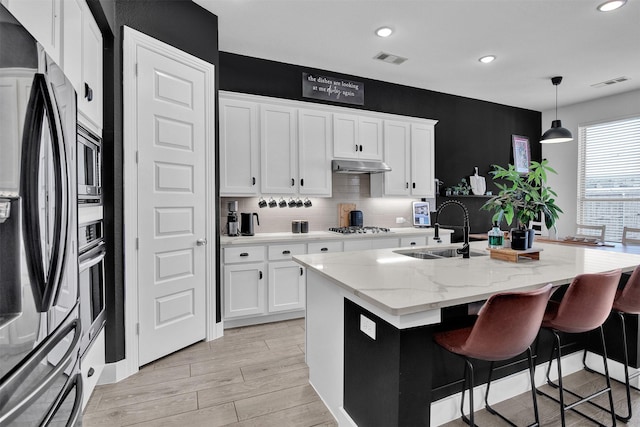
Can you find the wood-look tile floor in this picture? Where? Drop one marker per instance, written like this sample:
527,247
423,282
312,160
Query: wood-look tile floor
257,376
253,376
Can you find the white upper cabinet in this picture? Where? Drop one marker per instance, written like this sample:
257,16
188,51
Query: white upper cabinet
90,93
278,150
314,152
42,18
357,137
409,151
239,148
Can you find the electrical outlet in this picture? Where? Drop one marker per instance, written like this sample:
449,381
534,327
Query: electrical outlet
400,220
368,326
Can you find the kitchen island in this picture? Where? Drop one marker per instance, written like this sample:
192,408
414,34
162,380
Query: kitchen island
371,314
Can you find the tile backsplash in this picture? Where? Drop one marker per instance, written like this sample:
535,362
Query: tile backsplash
323,214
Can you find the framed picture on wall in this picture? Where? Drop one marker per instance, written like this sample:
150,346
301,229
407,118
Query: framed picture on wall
521,153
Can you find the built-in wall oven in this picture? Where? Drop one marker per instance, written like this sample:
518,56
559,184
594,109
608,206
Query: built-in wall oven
91,253
89,167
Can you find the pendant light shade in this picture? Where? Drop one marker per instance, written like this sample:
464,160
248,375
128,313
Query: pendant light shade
557,133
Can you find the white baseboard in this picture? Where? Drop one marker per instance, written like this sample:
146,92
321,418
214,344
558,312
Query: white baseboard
115,372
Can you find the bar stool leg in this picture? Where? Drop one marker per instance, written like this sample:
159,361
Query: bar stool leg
606,372
468,379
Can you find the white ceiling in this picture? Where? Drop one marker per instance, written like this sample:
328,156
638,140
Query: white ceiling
534,40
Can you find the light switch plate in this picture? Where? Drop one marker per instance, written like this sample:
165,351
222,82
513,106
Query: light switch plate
368,326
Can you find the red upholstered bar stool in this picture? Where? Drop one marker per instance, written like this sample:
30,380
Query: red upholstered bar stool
583,308
627,301
506,326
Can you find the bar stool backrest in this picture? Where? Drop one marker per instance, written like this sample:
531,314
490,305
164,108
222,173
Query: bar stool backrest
587,303
507,324
628,301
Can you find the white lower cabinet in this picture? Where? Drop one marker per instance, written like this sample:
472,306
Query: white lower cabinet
286,286
91,366
244,289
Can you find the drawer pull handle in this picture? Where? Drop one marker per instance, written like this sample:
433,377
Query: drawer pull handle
244,254
413,243
260,274
324,249
90,372
287,252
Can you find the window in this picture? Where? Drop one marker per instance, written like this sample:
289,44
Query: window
609,176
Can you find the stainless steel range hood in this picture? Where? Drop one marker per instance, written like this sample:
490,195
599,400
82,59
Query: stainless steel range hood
359,166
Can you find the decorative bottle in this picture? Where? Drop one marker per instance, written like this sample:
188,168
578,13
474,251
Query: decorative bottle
496,237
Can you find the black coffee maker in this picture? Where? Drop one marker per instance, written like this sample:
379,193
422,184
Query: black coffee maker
246,223
232,219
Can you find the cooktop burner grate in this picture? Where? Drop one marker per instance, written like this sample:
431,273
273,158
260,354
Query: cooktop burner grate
359,230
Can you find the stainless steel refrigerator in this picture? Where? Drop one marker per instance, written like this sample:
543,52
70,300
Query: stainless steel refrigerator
40,331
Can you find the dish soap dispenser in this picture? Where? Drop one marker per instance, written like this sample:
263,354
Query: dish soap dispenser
496,237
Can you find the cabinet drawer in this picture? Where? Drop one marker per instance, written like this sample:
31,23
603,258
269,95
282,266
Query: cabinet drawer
324,247
91,366
380,243
413,241
244,254
284,252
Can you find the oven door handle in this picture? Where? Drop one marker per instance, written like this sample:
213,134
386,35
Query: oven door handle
92,257
35,357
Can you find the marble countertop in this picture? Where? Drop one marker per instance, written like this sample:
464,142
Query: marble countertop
401,285
261,238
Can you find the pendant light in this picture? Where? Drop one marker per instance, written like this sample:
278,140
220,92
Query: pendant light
557,133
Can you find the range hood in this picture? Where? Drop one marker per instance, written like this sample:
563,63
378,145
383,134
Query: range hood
359,166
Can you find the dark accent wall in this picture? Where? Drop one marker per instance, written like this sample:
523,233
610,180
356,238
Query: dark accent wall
179,23
469,132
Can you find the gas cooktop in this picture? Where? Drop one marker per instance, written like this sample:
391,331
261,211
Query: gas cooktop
359,230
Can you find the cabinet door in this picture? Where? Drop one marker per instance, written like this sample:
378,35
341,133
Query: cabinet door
397,151
239,148
422,167
314,156
42,19
286,286
370,138
244,290
72,41
345,136
278,148
90,94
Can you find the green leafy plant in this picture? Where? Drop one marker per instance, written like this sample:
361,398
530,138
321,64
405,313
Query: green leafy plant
524,197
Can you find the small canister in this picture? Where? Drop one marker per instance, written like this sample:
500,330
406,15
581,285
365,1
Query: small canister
295,226
304,226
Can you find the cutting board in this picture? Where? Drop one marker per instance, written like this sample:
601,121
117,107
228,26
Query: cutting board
343,213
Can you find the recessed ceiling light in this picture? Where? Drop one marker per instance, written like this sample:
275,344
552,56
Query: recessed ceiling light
487,59
384,32
610,5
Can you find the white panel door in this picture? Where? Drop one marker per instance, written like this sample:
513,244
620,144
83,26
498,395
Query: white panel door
314,157
278,148
239,148
422,164
171,136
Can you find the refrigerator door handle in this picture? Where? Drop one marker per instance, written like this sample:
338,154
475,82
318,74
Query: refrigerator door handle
45,284
36,356
74,381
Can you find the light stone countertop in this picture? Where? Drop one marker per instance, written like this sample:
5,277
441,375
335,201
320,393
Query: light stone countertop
401,285
288,237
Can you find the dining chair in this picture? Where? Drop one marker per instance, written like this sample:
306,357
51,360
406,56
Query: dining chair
629,231
590,231
506,326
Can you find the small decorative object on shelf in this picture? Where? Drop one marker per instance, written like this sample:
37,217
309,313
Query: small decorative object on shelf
478,183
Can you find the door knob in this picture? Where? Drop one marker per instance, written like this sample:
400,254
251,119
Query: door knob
201,242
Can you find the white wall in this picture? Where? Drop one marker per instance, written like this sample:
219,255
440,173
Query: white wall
564,157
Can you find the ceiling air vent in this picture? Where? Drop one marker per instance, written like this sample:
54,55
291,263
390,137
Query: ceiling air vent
611,82
390,58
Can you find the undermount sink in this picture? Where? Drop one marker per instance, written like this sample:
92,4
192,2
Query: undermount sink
441,253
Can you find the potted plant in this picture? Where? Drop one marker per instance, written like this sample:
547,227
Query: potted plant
524,197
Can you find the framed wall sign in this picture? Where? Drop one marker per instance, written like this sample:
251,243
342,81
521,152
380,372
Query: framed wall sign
332,89
521,153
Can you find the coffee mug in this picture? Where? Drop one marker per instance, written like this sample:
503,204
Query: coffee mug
262,203
307,202
272,203
282,203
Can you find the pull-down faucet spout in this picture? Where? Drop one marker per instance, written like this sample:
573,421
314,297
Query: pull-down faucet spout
464,251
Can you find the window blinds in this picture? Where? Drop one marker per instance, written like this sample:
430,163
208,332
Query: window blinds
609,176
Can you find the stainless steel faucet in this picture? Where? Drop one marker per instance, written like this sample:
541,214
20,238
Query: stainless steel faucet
464,251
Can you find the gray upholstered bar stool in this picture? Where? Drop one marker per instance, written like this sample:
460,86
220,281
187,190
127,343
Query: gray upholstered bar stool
627,301
506,326
583,308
